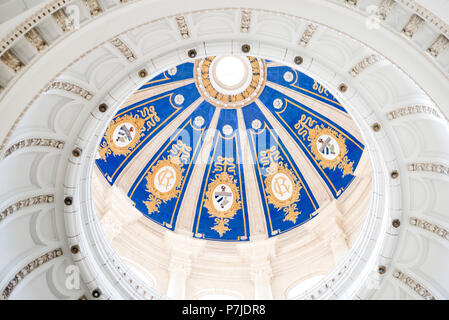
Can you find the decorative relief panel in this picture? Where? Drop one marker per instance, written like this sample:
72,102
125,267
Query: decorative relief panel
28,269
413,284
35,142
307,35
182,26
439,231
28,24
441,44
63,20
11,60
428,167
33,201
93,7
413,25
245,21
34,37
124,49
385,8
69,87
364,64
412,110
351,2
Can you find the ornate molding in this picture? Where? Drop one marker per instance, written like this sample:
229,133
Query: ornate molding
35,38
33,201
33,265
308,34
385,8
31,22
364,64
440,44
412,110
429,167
423,224
63,20
94,7
413,284
182,26
352,3
413,25
11,60
426,14
69,87
245,21
124,49
1,89
35,142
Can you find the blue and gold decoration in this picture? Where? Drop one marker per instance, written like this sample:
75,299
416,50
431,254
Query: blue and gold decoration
220,204
221,212
287,199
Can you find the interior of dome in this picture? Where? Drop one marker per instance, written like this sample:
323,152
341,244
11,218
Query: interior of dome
234,149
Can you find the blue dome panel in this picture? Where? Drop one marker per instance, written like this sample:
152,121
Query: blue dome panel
286,198
223,185
181,72
308,128
173,166
147,117
302,83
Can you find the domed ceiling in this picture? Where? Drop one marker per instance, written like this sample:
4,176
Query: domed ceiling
215,109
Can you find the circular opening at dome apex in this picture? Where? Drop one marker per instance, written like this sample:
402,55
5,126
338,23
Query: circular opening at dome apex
230,70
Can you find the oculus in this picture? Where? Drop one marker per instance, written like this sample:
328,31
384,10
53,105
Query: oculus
230,81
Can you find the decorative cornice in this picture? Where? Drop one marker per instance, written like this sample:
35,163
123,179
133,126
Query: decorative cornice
413,25
308,34
69,87
245,21
423,224
440,44
11,60
35,142
364,64
28,269
426,14
94,7
412,110
352,3
33,201
124,49
385,8
182,26
35,38
31,22
413,284
63,20
429,167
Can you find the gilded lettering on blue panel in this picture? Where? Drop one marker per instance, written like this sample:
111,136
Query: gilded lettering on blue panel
159,189
298,81
287,200
221,213
333,151
181,72
135,125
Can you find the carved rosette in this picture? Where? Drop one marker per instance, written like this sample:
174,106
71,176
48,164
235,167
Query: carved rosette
401,112
431,227
413,284
69,87
124,49
364,64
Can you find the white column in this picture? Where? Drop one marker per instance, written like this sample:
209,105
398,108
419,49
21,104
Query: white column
179,271
261,275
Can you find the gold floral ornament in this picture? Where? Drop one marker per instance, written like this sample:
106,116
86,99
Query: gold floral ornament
164,180
163,183
124,133
283,190
222,201
327,145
